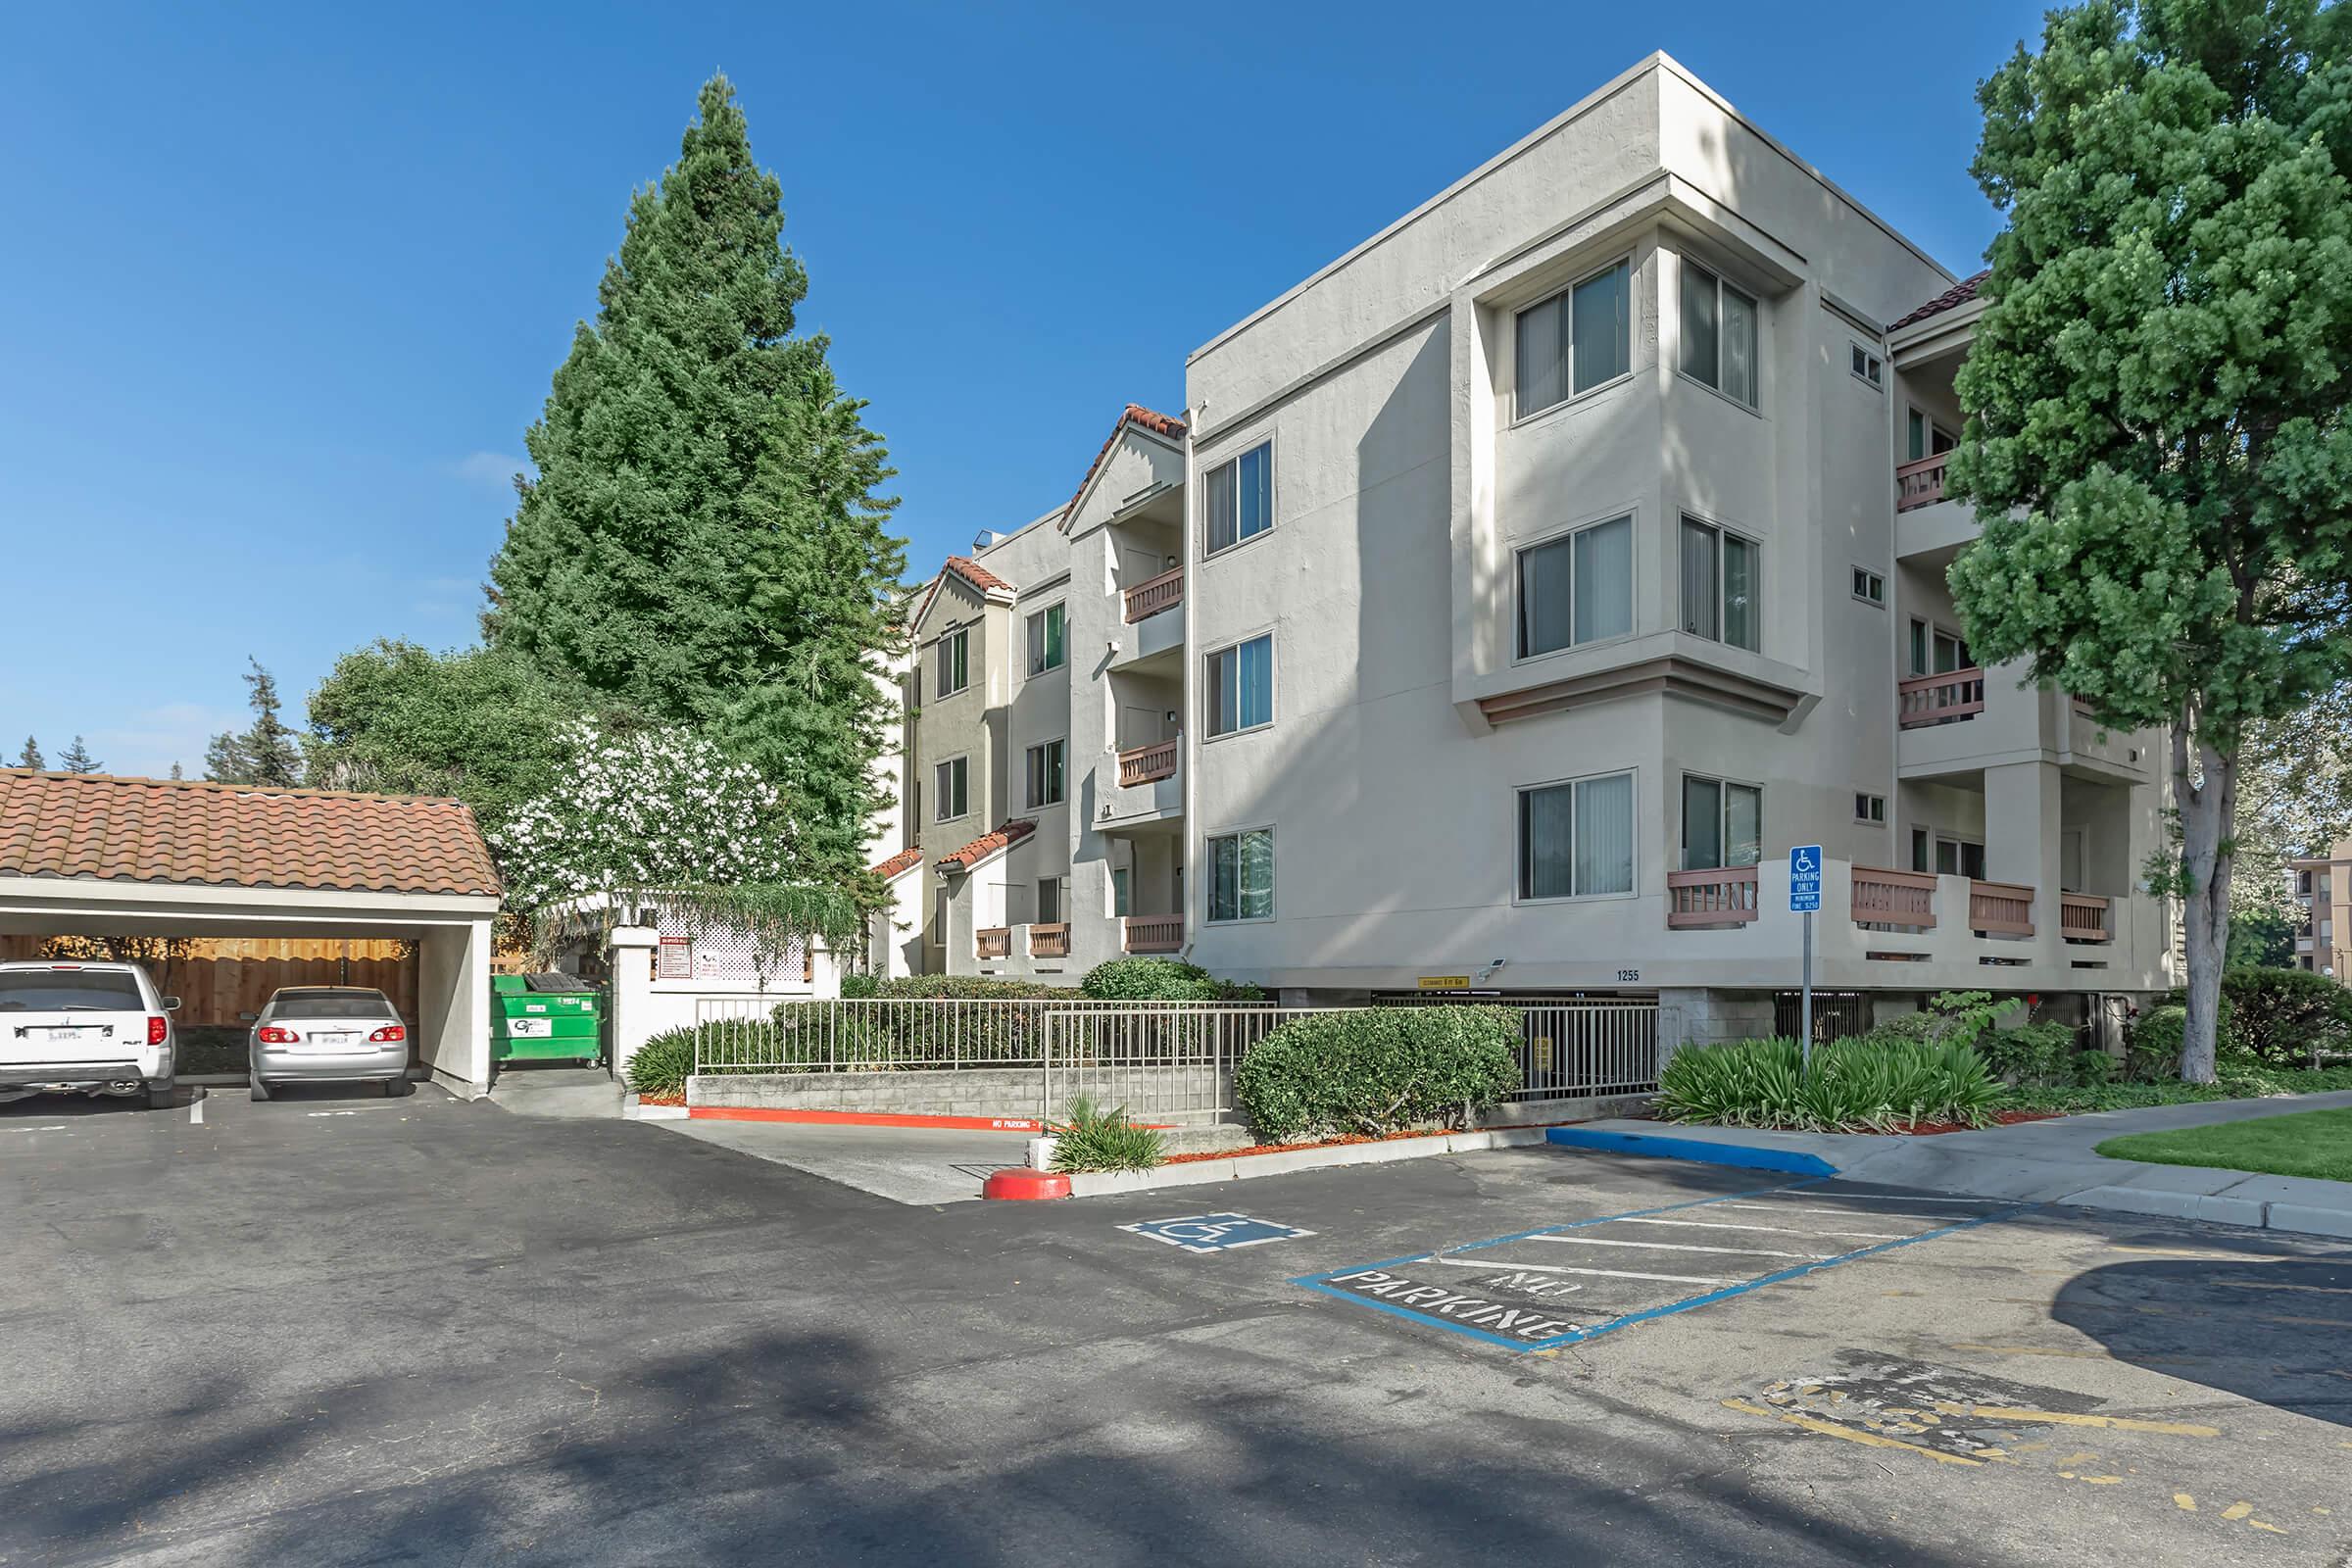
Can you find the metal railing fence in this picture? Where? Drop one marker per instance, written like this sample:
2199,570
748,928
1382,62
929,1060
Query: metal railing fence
1571,1048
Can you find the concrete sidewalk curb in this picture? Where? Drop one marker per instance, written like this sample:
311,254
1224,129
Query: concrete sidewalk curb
2048,1161
1711,1152
1202,1172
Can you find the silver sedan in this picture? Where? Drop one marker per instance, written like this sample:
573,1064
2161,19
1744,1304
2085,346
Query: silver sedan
329,1034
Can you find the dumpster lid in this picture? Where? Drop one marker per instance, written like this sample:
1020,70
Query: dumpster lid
557,983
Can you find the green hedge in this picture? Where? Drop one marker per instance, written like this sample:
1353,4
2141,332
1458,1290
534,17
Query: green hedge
2284,1018
951,987
1162,980
1378,1070
1860,1084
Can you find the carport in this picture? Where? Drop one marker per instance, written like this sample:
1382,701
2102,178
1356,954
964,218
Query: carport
91,854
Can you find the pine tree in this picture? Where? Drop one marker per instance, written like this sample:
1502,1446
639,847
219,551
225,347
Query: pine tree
30,757
77,758
266,753
704,540
175,772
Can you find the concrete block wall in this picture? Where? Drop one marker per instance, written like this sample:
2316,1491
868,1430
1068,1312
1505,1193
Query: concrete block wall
1699,1015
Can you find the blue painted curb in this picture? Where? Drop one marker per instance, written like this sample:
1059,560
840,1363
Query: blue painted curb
1752,1157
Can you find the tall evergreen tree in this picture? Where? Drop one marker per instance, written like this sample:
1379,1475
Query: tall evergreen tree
30,757
2160,429
705,539
266,754
77,758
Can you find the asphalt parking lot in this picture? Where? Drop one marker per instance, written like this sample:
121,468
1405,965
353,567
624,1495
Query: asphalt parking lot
338,1328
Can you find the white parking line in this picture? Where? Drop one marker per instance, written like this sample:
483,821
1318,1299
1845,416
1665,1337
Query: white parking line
196,1108
1678,1246
52,1127
1777,1230
1627,1274
1793,1209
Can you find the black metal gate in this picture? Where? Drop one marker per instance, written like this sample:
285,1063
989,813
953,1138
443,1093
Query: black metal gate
1837,1014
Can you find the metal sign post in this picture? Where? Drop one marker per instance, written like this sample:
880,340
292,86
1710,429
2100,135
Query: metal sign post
1804,897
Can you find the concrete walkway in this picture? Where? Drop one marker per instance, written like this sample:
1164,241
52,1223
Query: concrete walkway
2052,1162
560,1091
919,1165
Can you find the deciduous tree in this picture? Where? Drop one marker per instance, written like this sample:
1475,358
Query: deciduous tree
2157,442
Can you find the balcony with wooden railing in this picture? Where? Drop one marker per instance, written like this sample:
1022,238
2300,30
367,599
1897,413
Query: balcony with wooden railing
1901,899
1051,940
1940,699
1163,592
2000,908
2085,918
1147,763
1725,897
1920,482
1154,933
992,942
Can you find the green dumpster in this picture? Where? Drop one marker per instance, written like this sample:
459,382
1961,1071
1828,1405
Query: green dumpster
545,1017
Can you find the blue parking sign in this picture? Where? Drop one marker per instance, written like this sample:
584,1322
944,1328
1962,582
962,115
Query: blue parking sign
1805,878
1214,1233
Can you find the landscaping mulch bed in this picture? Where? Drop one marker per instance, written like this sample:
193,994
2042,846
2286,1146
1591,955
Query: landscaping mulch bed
677,1098
2000,1118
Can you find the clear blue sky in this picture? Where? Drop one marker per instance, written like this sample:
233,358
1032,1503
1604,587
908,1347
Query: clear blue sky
283,288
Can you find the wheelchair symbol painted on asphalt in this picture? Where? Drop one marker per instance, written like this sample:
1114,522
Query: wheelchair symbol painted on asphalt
1214,1233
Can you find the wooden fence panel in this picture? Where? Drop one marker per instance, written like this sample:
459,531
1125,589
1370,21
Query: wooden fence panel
223,977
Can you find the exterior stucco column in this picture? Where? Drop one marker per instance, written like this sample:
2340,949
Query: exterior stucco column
2023,825
630,963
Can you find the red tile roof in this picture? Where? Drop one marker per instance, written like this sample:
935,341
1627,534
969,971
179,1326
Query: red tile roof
979,577
904,860
1951,299
985,844
99,827
1134,413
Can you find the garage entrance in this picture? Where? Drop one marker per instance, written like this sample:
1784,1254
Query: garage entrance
246,873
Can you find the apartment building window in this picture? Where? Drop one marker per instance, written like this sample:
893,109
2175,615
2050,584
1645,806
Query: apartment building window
1575,340
953,662
1240,498
1871,808
1576,840
1936,652
1868,366
1719,584
1923,437
1577,588
1047,770
1052,899
1122,892
1870,587
1723,823
947,788
1047,643
1719,334
1241,875
1946,854
1241,686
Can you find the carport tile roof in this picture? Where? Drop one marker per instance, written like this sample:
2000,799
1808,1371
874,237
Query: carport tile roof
985,844
99,827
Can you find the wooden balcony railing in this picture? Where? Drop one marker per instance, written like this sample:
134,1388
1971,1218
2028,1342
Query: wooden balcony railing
1905,899
1163,592
1154,933
1147,762
1050,941
2000,908
1940,699
994,943
1920,482
1726,897
2082,918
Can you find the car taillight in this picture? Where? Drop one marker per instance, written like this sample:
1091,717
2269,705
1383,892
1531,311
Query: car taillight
272,1035
155,1028
390,1034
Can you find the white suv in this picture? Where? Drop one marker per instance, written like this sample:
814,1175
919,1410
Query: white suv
85,1028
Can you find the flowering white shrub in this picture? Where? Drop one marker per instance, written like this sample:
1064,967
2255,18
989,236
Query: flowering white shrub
657,809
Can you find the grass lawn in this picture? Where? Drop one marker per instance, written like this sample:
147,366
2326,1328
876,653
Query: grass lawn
2311,1143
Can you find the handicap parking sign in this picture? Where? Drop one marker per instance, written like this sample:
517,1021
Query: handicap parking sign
1805,878
1214,1233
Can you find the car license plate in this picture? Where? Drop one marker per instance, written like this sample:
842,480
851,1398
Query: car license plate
72,1031
318,1041
530,1028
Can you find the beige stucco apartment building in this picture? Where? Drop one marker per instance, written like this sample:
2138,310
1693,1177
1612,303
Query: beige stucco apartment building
2320,894
1509,598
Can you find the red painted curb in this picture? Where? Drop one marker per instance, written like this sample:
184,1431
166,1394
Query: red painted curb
1025,1184
863,1119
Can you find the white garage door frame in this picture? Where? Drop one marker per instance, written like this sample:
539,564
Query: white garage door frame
452,933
